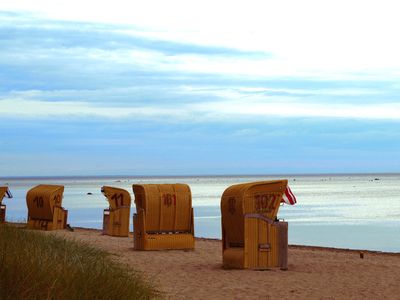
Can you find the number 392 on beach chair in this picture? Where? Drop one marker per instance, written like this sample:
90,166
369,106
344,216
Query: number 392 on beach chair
164,218
44,207
116,217
4,192
252,237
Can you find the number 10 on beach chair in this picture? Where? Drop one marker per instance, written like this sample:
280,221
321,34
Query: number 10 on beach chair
116,217
44,207
164,218
4,192
252,237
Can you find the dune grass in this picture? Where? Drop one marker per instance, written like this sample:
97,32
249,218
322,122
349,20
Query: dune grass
38,266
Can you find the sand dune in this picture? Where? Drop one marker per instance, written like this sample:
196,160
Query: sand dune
314,273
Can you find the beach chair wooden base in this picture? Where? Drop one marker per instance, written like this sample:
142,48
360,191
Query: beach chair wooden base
106,221
159,241
171,241
265,245
2,213
116,222
59,221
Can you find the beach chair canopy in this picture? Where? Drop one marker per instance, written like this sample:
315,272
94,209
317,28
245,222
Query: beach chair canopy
4,192
239,200
42,199
116,197
167,207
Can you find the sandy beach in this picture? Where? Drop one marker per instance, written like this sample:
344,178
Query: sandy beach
314,272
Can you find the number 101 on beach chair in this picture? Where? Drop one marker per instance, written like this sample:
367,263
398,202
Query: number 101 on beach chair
4,192
116,217
44,207
164,218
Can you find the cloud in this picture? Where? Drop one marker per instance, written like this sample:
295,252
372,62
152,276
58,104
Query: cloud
128,146
57,34
154,101
221,110
92,50
306,110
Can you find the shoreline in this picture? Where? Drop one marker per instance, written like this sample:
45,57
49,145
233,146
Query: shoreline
328,213
293,246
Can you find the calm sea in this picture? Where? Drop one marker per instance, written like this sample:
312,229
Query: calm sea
346,211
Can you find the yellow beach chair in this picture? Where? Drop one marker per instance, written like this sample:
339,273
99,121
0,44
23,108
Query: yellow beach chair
252,238
164,218
4,192
44,207
116,217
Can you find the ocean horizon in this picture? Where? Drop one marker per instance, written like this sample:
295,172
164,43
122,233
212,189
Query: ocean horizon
355,211
2,178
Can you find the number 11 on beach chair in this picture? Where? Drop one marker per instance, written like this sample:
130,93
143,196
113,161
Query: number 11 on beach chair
116,217
44,207
4,192
252,236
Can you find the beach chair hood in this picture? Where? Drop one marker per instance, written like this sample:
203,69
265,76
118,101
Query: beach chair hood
263,197
5,193
42,199
116,197
167,207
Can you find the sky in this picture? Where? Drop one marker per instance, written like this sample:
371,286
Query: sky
199,87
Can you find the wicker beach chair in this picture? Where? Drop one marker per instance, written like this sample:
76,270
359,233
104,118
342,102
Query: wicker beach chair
252,237
164,218
116,217
44,207
4,192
